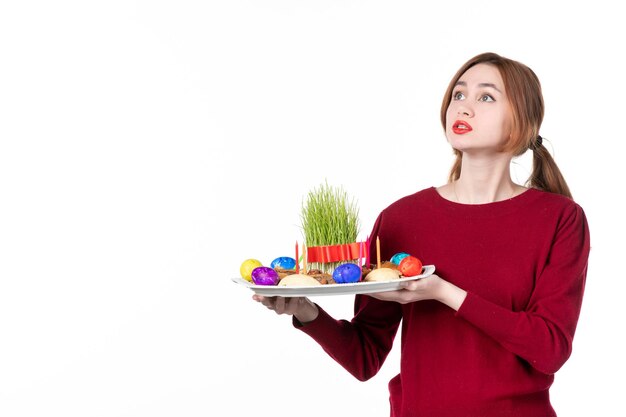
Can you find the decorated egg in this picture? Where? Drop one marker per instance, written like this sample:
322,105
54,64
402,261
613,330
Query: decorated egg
398,257
284,262
347,273
410,266
246,268
264,275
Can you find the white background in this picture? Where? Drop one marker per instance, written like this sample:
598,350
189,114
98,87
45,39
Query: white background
149,147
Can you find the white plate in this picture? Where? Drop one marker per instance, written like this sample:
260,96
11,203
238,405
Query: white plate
332,289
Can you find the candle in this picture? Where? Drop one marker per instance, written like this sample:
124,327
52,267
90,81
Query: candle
360,256
377,252
297,259
367,252
303,259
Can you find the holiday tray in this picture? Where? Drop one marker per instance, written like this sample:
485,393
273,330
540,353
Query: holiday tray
363,287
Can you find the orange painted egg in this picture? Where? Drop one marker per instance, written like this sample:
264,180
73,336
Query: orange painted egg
410,266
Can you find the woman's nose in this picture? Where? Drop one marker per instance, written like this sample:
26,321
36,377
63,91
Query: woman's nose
464,110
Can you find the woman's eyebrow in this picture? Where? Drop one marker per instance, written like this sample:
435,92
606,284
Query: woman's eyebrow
464,84
490,85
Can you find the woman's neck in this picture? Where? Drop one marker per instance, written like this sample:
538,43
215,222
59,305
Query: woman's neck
485,180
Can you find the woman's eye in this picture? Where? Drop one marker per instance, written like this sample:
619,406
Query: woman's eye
458,96
486,97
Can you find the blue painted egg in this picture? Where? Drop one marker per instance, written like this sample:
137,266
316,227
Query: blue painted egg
263,275
398,257
284,262
347,273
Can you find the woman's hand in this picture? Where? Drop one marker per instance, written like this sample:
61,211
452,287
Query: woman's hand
430,288
301,307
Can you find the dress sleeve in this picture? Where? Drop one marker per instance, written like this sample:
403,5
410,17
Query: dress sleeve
362,344
542,334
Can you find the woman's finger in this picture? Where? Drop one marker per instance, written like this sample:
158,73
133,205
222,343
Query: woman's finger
279,305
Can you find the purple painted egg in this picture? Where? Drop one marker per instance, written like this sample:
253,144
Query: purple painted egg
262,275
347,273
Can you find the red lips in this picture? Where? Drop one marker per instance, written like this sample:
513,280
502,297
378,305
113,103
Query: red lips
460,127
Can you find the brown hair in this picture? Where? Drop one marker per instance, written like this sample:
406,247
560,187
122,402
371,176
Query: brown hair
526,102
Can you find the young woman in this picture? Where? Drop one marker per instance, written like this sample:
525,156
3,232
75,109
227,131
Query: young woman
485,334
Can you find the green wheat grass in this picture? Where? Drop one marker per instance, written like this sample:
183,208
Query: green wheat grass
329,217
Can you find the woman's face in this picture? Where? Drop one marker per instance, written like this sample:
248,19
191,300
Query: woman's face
479,117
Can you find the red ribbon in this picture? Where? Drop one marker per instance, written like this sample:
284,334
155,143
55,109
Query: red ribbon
333,253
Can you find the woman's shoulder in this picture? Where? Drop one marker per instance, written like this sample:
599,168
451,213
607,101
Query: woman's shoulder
552,200
545,204
425,196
